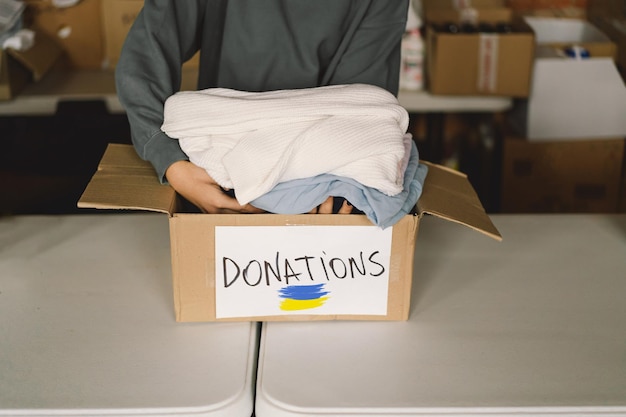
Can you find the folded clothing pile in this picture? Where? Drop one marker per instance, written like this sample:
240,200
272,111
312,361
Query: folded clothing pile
286,151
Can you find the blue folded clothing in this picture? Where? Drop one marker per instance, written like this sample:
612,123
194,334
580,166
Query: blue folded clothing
303,195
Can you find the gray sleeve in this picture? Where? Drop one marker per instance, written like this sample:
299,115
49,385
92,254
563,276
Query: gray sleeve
372,55
164,35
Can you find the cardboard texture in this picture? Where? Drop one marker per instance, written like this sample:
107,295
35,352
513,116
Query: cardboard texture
580,176
124,181
490,64
572,98
18,68
551,8
13,76
429,6
621,206
610,17
77,29
548,4
494,15
117,18
612,8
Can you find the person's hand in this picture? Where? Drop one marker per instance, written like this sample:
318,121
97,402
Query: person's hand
327,207
197,186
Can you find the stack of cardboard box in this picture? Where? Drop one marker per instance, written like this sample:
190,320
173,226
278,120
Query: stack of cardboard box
550,8
25,54
117,18
77,29
87,35
610,17
476,48
90,32
564,148
18,68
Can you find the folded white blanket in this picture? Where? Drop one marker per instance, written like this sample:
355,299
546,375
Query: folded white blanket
250,141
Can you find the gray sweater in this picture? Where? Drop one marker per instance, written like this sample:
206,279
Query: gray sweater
251,45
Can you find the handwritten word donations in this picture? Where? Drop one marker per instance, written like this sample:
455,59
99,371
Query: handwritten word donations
312,268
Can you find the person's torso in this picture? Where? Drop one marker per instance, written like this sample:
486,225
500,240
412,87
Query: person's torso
278,44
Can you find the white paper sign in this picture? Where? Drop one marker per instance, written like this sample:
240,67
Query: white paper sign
285,270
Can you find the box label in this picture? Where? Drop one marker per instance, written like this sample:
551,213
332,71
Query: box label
488,62
310,270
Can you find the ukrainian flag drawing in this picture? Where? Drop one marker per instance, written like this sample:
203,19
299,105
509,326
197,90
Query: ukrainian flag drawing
302,297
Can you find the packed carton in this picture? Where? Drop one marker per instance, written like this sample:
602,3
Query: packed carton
477,48
257,259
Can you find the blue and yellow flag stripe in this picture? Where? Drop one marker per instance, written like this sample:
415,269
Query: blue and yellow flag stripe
302,297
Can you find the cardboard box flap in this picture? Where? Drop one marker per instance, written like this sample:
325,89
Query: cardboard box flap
125,181
449,195
40,57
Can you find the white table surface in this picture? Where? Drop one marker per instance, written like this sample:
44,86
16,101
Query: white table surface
533,325
87,325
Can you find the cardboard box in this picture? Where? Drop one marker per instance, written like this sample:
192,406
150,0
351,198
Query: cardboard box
203,275
18,68
621,206
478,64
547,4
609,8
550,8
117,18
610,17
572,98
430,8
76,28
13,76
579,176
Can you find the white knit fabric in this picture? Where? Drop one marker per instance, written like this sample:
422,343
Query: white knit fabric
250,142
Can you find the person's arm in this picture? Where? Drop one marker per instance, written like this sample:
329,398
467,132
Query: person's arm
163,36
372,55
